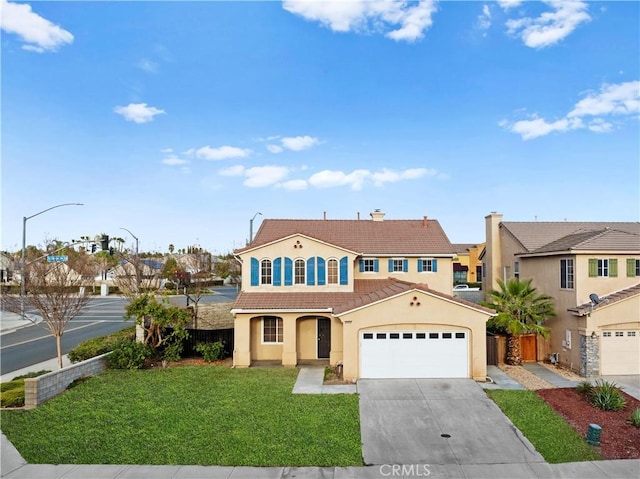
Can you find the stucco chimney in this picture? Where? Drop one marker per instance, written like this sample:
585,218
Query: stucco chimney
325,215
425,222
493,255
377,215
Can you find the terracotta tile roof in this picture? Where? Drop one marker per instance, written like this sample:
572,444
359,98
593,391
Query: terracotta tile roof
401,237
365,292
586,308
535,235
463,248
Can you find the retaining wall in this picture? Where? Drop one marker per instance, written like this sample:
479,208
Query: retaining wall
38,390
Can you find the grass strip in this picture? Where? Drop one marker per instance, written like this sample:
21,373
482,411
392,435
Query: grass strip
549,433
190,415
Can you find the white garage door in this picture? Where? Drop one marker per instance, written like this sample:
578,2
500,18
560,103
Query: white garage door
620,352
412,354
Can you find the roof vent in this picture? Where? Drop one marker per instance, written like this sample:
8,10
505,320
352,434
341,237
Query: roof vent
377,215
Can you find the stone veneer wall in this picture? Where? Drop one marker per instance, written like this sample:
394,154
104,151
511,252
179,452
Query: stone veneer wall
589,356
38,390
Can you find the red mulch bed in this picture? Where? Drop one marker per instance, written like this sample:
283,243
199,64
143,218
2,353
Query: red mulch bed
618,439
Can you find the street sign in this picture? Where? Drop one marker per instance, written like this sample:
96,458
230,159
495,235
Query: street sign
57,258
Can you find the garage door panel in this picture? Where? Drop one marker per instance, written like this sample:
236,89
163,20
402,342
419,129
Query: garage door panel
402,354
620,352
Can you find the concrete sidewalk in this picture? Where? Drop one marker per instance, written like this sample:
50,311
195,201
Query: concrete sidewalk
10,322
311,381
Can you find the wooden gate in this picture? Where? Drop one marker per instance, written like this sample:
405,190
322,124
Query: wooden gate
528,348
492,350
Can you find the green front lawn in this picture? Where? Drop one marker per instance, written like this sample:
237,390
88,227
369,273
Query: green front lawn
551,435
190,415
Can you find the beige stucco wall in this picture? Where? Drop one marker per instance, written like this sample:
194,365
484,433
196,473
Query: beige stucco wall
624,314
434,313
442,280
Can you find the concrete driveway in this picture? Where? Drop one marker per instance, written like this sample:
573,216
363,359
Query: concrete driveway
436,421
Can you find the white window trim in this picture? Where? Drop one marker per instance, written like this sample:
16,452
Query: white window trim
276,342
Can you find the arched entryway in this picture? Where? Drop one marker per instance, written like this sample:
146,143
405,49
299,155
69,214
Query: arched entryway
313,337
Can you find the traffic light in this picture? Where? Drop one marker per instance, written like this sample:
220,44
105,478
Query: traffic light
104,243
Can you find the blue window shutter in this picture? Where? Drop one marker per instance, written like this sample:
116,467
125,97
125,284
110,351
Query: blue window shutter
277,272
255,271
361,265
311,272
376,265
405,265
344,270
390,266
434,265
322,272
288,271
420,265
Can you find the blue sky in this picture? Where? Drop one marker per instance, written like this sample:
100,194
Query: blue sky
180,121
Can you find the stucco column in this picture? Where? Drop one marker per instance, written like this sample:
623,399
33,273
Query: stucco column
242,342
478,356
335,356
289,347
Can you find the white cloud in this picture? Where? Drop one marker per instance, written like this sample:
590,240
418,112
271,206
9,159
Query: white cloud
484,20
613,100
389,176
261,176
299,143
400,20
148,65
620,99
507,4
138,112
550,27
39,34
330,179
274,148
294,185
220,153
236,170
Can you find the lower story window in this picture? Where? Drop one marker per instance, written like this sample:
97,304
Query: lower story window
272,329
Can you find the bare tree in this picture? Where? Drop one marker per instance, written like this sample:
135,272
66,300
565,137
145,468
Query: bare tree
56,291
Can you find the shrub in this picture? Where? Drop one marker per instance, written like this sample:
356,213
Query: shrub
634,418
13,397
211,351
607,396
584,388
172,350
96,346
33,374
129,354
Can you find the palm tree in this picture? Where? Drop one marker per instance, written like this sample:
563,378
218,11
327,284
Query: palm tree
521,310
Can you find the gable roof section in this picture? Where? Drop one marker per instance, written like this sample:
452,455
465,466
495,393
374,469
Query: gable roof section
586,308
463,248
366,292
536,235
391,237
601,240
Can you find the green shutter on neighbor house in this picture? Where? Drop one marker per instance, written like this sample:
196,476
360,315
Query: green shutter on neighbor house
631,267
390,266
613,268
321,272
255,271
277,272
288,271
344,270
593,267
311,274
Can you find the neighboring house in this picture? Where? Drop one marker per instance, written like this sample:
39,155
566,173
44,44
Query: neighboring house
6,268
371,295
467,268
592,270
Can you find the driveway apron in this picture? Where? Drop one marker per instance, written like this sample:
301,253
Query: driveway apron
436,421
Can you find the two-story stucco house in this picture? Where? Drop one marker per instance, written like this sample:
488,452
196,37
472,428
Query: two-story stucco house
372,295
592,270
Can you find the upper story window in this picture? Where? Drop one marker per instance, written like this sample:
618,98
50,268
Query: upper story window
332,271
427,265
299,271
516,269
566,273
603,267
398,266
368,265
265,271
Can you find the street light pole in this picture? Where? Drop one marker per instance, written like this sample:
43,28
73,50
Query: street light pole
24,249
251,226
137,260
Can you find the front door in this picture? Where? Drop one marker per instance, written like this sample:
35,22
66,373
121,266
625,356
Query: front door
324,338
